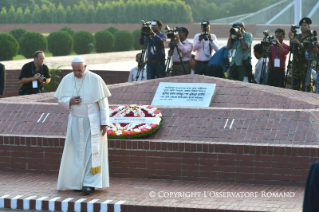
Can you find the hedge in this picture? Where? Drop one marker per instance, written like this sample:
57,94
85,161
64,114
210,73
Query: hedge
82,39
31,42
9,46
60,43
123,41
104,41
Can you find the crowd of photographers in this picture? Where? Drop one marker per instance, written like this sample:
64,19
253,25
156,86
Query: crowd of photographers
232,61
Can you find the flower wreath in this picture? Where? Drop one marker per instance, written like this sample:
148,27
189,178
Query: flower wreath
118,130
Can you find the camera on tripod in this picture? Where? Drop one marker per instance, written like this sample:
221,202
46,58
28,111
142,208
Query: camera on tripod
311,40
172,32
146,26
205,34
294,28
268,40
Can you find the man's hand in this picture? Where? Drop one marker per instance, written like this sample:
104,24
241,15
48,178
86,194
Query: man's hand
210,37
103,129
291,35
315,49
76,100
177,38
36,76
296,41
239,34
201,37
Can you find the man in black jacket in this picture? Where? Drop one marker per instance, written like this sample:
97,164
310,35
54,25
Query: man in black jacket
34,74
2,79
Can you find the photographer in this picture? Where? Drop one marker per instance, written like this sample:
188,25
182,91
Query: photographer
218,63
239,43
34,74
204,43
155,51
138,73
258,52
185,48
301,63
2,79
279,52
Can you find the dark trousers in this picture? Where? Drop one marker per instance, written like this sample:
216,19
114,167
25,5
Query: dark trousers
310,202
276,77
179,70
200,67
214,71
153,69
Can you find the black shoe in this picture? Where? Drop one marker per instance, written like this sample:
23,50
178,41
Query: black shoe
76,190
87,190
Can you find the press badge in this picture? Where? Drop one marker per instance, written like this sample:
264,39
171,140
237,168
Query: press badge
234,53
277,62
35,84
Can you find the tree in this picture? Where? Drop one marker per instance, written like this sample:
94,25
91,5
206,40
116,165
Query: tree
101,14
90,19
36,14
60,14
69,15
3,15
11,17
31,42
9,46
27,16
19,15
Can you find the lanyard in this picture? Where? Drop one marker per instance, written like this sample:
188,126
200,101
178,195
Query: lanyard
138,74
277,52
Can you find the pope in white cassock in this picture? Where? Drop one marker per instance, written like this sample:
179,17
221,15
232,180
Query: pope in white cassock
84,164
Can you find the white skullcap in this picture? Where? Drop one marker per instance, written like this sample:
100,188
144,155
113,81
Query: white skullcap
78,59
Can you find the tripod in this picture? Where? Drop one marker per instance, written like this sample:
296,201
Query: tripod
293,65
264,72
311,63
143,56
169,58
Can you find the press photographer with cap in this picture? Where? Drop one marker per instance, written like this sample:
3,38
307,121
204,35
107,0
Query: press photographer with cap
239,43
204,45
300,60
185,47
34,74
155,50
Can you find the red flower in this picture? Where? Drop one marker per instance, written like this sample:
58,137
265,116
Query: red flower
150,107
144,129
128,132
109,132
113,108
157,112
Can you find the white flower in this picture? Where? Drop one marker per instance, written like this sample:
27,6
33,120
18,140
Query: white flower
137,130
119,132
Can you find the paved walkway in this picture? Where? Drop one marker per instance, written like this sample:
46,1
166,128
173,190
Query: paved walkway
125,194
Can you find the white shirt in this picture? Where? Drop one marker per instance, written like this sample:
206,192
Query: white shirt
202,47
185,47
258,69
134,72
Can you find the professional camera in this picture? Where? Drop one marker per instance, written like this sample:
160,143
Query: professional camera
234,30
172,32
205,28
311,40
42,78
294,28
268,39
146,26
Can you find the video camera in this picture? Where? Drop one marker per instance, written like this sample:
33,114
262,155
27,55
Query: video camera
146,26
294,28
172,32
267,40
205,28
311,40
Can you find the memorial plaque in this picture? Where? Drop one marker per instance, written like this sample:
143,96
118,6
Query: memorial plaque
184,94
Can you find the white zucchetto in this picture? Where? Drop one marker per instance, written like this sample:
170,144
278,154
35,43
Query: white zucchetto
78,59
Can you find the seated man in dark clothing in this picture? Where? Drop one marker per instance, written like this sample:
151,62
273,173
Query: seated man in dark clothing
218,63
33,75
310,202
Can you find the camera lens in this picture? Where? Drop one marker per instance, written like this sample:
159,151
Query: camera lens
234,30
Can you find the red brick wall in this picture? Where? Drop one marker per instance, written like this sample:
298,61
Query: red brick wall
12,84
196,161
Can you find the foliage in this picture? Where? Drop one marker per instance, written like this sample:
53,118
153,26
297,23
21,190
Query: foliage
9,46
136,35
17,33
55,78
112,29
123,41
104,41
31,42
60,43
82,39
68,30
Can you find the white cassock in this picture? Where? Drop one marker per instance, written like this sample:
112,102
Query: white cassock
85,155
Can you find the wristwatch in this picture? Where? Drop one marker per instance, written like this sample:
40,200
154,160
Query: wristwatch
241,37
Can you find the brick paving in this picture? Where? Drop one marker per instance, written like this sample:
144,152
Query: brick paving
136,195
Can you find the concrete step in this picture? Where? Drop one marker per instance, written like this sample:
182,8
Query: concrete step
35,191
